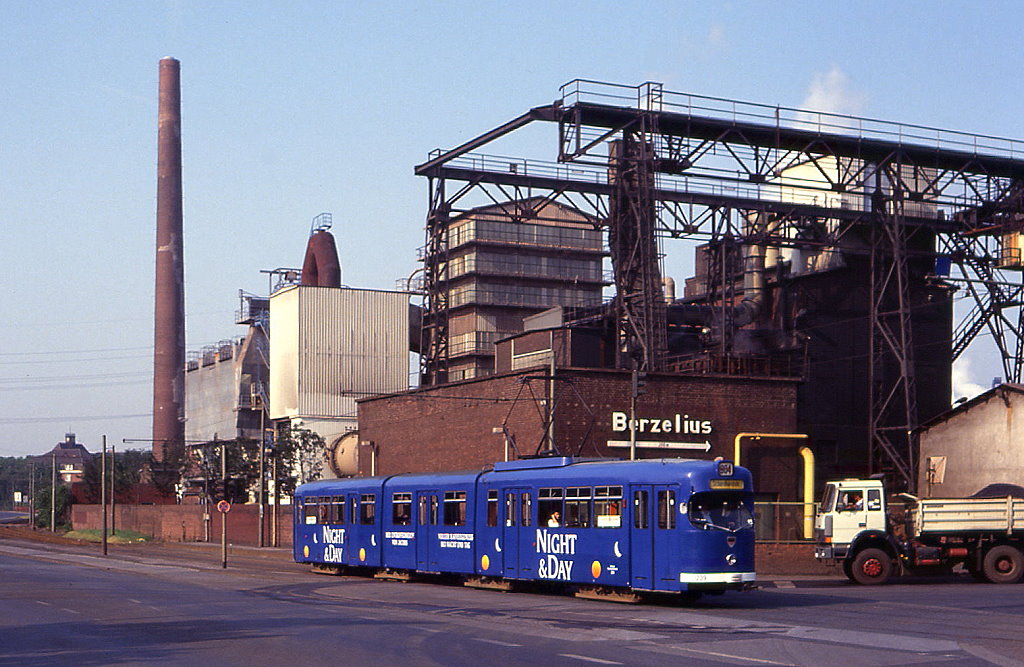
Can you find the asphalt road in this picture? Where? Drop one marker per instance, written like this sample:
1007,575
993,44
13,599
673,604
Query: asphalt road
174,604
13,517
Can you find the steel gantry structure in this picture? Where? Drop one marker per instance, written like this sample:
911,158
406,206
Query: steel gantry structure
647,163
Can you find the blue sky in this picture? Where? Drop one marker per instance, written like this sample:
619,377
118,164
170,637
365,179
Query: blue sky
289,112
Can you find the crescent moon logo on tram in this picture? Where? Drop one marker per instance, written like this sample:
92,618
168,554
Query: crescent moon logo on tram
497,545
615,548
373,540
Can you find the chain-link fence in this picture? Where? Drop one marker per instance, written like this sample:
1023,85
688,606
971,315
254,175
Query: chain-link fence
783,521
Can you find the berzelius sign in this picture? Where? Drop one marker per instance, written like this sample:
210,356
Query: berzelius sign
678,424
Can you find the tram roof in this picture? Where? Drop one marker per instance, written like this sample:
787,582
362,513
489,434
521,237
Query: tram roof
536,469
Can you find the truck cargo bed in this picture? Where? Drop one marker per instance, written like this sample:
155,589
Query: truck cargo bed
968,515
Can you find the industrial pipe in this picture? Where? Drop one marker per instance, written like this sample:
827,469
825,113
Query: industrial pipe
758,436
808,456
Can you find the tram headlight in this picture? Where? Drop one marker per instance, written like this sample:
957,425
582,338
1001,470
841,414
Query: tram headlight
730,559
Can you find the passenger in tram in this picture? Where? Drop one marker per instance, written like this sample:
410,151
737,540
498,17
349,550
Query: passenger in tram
555,520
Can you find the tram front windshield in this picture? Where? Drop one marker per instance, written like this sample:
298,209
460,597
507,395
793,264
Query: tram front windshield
721,511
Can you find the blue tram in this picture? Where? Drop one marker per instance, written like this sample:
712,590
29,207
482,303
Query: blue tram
666,525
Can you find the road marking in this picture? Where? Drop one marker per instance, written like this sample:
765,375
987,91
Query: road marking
588,659
135,601
70,611
495,641
46,603
735,657
784,584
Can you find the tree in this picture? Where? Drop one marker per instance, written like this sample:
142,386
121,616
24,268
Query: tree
303,453
63,505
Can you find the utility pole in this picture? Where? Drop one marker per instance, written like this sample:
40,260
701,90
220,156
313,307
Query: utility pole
113,494
263,476
103,493
277,501
32,494
53,492
223,514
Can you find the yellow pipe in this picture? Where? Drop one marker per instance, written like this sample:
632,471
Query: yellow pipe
808,457
758,436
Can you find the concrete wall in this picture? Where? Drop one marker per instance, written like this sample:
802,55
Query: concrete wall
983,444
184,523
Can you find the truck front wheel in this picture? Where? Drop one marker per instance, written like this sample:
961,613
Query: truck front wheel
1003,564
870,567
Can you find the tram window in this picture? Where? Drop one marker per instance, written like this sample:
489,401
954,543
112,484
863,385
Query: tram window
367,508
728,511
510,509
353,516
527,506
492,508
323,509
309,510
577,507
337,514
549,501
423,510
433,510
608,506
639,509
666,509
401,509
454,508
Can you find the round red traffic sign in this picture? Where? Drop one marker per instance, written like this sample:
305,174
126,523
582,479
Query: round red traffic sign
224,506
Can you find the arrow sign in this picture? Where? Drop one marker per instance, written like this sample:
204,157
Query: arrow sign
654,444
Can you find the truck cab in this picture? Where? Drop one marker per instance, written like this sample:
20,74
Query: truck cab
851,512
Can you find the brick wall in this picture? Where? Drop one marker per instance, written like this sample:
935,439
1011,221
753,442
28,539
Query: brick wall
450,427
184,523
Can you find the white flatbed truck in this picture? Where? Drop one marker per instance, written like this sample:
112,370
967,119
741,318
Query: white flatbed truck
852,527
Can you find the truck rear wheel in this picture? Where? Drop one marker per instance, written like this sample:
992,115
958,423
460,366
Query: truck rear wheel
870,567
1003,564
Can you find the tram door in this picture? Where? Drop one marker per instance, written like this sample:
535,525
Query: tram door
352,536
653,539
512,520
426,530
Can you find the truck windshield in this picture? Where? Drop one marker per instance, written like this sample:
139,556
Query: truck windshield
722,511
828,500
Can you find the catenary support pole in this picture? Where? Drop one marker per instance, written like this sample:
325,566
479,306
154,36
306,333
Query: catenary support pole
103,493
53,493
113,494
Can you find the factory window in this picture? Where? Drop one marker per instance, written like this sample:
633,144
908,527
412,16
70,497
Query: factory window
527,507
367,509
549,501
337,509
639,509
577,507
309,509
454,508
401,509
492,508
608,506
666,509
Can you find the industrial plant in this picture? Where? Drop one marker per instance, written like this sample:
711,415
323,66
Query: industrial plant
814,339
